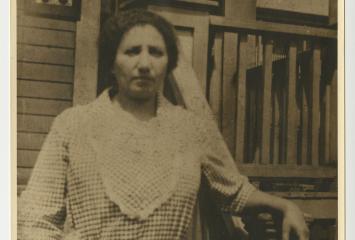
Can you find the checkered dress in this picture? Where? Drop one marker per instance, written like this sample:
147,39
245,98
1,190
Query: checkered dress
114,177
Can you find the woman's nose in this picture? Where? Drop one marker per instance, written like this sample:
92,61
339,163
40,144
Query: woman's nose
144,63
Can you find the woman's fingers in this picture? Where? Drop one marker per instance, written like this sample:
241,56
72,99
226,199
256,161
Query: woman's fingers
303,234
285,231
301,230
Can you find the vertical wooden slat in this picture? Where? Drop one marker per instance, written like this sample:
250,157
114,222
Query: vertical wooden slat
241,99
215,91
275,137
267,101
229,99
86,53
327,130
276,128
315,87
333,154
292,110
305,124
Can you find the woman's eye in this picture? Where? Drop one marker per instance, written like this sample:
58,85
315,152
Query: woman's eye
132,51
156,52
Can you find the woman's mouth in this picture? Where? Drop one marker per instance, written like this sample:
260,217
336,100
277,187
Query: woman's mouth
143,82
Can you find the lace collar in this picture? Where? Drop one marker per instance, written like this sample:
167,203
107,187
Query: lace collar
138,160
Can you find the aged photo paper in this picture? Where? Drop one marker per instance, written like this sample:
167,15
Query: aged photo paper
268,73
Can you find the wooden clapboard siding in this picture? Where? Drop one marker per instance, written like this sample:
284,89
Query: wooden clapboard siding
23,175
20,4
26,158
20,189
46,90
34,123
44,54
41,106
44,23
30,141
267,101
44,72
45,37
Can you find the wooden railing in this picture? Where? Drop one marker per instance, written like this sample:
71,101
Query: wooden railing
278,101
272,91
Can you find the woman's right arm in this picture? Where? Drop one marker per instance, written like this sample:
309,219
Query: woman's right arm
41,208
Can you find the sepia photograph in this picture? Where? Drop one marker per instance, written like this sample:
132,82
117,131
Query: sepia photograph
177,119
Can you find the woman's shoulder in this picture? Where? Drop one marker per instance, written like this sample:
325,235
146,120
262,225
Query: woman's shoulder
72,117
190,119
191,116
181,113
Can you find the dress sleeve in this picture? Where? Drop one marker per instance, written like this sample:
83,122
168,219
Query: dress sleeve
41,208
229,188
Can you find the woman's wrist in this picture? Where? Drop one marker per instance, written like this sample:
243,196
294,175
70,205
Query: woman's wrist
269,203
282,205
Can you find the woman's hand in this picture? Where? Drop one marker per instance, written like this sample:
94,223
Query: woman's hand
293,221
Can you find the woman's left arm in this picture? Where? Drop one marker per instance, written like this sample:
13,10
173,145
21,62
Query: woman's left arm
234,193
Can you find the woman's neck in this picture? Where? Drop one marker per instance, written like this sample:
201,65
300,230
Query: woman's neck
142,109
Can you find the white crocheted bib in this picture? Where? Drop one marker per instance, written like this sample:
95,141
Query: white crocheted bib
139,161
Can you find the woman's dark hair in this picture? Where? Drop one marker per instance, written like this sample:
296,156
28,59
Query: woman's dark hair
113,31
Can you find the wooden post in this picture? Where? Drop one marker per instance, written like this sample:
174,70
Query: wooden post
200,49
230,58
241,99
315,88
292,110
86,53
215,91
267,101
230,51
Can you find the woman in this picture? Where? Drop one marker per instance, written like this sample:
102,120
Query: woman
128,165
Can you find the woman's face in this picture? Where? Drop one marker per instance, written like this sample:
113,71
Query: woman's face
141,63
